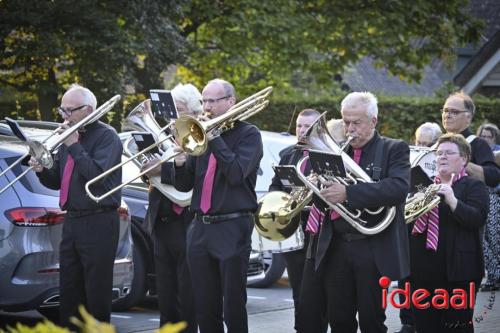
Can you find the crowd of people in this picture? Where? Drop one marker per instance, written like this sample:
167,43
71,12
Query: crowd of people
202,251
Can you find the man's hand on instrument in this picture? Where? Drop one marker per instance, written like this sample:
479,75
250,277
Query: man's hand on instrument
181,158
36,166
334,192
153,172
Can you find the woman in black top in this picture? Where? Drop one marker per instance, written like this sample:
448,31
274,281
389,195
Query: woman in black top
445,246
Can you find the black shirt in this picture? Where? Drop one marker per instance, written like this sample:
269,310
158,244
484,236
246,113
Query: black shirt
98,149
483,156
238,152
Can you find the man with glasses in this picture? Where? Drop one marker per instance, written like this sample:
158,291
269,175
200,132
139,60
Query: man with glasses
224,201
457,114
352,263
90,230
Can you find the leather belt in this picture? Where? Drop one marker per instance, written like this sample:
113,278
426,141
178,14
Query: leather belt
80,213
349,237
210,219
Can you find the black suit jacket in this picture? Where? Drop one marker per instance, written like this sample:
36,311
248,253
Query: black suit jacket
459,256
390,247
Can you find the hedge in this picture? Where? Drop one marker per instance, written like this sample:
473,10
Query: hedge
398,116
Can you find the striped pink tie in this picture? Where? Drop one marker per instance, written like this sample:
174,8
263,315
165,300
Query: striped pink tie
315,219
68,171
208,184
430,221
177,209
303,166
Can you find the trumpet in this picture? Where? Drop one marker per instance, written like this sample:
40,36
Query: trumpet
190,134
42,150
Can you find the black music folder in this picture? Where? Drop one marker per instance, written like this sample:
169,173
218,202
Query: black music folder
326,163
16,130
163,104
288,175
143,140
419,179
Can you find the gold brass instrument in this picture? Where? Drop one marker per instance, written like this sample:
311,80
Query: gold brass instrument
191,135
42,150
319,138
426,198
275,216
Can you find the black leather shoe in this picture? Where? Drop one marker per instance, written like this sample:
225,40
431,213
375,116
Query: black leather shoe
489,287
406,329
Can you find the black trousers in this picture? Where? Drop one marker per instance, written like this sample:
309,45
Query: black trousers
87,253
405,315
173,281
218,257
311,310
351,281
433,320
295,261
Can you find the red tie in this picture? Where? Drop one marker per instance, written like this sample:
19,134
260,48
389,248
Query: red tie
177,209
208,184
303,166
68,171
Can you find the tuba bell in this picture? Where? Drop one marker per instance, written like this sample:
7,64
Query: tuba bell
277,210
319,138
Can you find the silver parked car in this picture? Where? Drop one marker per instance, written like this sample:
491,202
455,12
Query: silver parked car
30,233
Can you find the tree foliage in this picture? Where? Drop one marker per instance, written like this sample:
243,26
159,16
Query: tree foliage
105,45
257,43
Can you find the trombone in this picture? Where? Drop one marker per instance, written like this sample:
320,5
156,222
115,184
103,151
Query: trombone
190,134
42,150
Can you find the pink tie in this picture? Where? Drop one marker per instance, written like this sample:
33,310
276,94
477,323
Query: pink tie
430,220
208,184
68,171
303,166
177,209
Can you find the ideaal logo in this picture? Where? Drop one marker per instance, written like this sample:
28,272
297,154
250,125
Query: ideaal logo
441,299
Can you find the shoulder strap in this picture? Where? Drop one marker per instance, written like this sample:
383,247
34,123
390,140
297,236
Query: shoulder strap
470,138
377,164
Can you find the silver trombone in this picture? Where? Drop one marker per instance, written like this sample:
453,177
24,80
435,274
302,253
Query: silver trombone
190,135
42,150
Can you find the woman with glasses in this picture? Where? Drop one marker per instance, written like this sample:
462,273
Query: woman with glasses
445,246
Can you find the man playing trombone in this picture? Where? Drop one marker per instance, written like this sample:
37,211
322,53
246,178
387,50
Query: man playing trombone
353,262
90,230
219,239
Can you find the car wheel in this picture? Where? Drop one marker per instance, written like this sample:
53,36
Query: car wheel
138,288
274,266
51,313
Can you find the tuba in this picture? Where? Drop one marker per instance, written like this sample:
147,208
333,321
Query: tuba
141,119
275,216
319,138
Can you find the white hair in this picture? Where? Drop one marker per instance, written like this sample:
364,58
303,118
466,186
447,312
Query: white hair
357,99
87,95
431,128
190,95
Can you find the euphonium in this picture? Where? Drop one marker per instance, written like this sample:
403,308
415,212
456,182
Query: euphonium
319,138
275,218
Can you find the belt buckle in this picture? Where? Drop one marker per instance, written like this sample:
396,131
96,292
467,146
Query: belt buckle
204,220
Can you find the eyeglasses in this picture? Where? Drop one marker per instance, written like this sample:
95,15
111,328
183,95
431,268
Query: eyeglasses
440,153
62,111
212,101
453,112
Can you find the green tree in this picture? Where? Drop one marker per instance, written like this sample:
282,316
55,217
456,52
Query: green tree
307,43
105,45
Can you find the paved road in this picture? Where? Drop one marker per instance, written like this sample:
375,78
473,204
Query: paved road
270,311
